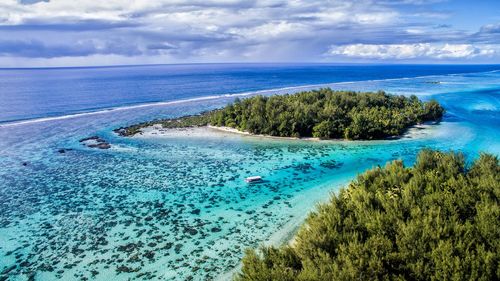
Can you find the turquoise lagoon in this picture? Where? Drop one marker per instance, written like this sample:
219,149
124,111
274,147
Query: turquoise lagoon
177,207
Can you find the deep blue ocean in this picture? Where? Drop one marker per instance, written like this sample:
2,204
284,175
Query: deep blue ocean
35,93
175,206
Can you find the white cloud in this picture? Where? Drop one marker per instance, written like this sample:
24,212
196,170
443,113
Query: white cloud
413,51
232,30
269,30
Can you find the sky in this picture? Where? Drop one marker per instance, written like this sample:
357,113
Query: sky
47,33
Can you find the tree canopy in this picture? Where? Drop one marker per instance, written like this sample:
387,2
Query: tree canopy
438,220
328,114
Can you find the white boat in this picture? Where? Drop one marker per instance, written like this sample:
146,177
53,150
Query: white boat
253,179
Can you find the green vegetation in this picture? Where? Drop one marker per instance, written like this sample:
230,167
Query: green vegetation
328,114
438,220
324,114
202,119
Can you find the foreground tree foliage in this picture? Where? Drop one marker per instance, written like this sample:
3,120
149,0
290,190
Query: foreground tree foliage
328,114
324,114
439,220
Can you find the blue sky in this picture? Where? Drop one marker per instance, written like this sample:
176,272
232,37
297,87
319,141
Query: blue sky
76,33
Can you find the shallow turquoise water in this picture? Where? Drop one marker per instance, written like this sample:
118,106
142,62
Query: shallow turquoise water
177,208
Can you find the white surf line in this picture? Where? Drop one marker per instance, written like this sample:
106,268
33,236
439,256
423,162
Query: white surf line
70,116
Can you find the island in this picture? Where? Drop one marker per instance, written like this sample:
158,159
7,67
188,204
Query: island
437,220
323,114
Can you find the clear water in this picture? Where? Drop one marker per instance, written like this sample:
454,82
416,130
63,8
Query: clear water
177,207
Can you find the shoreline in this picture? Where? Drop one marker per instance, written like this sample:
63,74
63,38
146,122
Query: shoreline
157,131
236,131
287,233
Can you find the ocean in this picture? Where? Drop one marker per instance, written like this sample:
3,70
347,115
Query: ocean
177,207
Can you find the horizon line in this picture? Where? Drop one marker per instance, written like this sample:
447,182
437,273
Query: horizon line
243,63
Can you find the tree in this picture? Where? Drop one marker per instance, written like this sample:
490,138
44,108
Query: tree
437,220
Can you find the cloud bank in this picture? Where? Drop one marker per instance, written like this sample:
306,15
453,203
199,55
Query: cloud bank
411,51
61,32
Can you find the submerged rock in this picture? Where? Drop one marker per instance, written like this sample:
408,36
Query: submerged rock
215,229
95,142
90,138
130,247
9,269
123,268
331,164
190,230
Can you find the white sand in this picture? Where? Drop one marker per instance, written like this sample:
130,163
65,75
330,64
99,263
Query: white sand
205,131
158,131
